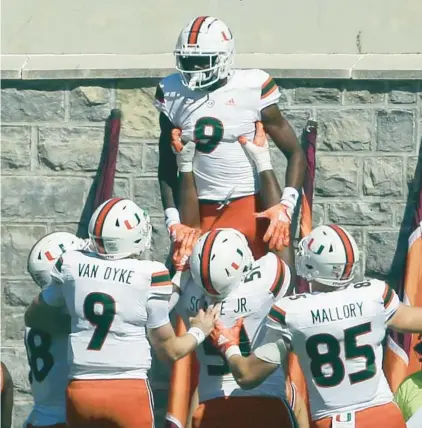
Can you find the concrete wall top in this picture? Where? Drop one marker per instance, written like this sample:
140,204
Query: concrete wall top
133,27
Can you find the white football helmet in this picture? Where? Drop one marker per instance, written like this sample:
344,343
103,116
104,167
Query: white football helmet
328,255
119,228
219,260
204,52
47,250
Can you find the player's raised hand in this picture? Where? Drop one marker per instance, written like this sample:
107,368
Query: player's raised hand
205,320
223,337
184,152
258,149
278,232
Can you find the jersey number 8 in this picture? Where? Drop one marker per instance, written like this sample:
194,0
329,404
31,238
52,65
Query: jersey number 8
40,359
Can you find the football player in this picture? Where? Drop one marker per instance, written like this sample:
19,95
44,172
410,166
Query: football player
337,332
47,353
223,270
212,104
118,304
7,390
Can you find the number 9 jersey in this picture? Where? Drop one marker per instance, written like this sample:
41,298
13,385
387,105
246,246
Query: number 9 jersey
47,358
338,337
214,120
268,279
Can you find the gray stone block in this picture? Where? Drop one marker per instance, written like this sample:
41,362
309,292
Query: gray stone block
150,158
160,240
395,131
147,195
16,242
383,176
32,105
17,363
13,323
364,92
360,213
317,93
90,103
15,147
412,162
337,176
71,148
297,119
380,250
279,163
318,214
19,292
345,130
21,410
140,117
403,92
122,188
39,197
130,158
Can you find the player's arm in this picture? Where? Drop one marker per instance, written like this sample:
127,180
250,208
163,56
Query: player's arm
406,319
45,313
251,371
284,137
7,391
167,168
164,341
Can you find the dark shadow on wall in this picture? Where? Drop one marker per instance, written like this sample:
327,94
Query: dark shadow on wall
89,207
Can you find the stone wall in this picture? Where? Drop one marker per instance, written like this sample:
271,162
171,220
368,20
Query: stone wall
52,134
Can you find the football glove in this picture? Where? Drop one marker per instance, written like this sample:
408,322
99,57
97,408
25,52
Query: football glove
258,149
223,338
184,152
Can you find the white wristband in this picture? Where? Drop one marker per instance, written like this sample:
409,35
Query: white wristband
172,216
197,333
232,350
291,195
186,167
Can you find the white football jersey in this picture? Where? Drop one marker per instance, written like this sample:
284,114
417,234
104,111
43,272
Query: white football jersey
215,120
107,301
337,337
252,299
47,358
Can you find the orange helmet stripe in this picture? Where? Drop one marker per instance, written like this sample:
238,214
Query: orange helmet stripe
99,223
194,31
348,248
205,262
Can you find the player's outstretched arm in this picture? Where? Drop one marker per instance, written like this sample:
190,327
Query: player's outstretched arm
406,319
7,391
251,371
170,347
46,317
284,137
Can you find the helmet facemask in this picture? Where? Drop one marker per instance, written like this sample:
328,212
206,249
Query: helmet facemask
202,70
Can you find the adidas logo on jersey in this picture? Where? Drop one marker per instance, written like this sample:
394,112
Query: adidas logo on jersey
230,102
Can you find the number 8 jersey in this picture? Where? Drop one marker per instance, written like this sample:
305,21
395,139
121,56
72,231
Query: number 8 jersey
215,120
268,279
47,358
337,337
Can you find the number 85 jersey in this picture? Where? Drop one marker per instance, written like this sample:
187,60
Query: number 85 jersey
337,337
215,120
48,376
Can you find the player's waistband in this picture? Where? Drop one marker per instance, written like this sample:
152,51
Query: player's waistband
224,201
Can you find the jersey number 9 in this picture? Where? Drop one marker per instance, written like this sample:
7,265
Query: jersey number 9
99,310
208,133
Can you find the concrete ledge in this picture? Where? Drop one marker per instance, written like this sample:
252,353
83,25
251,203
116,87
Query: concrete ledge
288,66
